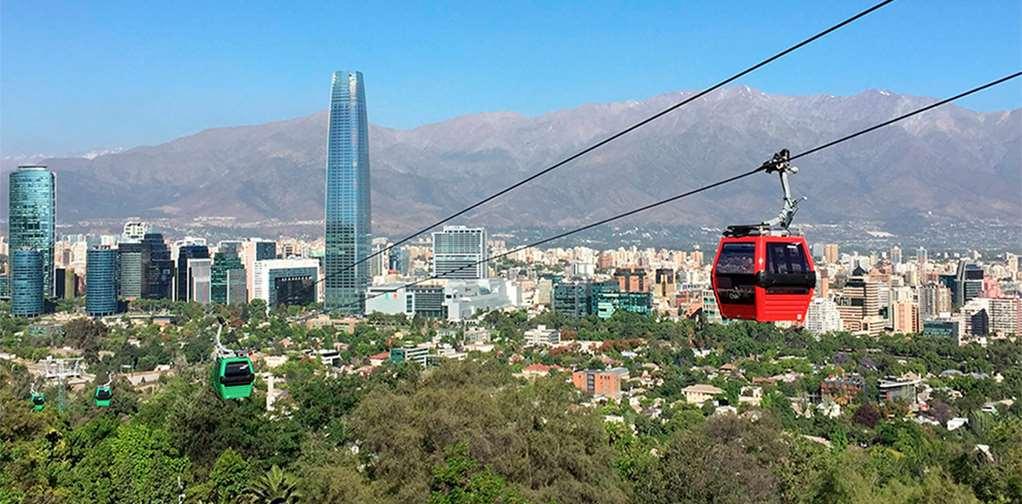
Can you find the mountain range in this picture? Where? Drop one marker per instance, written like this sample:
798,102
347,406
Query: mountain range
950,163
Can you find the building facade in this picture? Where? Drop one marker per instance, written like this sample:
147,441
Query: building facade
460,252
157,268
223,264
347,219
129,256
31,220
182,285
101,272
286,281
27,283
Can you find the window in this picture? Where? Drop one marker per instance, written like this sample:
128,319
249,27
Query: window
786,258
737,258
736,274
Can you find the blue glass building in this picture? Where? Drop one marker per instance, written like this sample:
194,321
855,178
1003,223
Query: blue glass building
183,286
101,282
347,195
27,283
157,268
31,220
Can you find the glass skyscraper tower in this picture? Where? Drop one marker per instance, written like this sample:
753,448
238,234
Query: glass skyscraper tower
347,195
31,220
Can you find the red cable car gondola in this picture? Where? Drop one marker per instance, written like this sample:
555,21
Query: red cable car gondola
764,272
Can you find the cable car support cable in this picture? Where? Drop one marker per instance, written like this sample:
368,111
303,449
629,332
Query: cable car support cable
617,135
768,166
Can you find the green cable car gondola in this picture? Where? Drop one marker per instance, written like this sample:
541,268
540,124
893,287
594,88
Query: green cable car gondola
233,376
38,400
104,394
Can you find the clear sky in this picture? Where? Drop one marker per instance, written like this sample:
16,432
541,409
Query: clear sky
80,75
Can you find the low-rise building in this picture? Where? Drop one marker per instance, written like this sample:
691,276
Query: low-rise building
542,336
700,393
600,383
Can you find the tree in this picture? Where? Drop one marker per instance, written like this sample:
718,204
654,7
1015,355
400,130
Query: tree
274,487
460,479
867,415
228,478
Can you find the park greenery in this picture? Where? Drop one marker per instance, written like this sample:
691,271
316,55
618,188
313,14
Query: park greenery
476,431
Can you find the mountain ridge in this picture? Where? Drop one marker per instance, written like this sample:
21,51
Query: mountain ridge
276,169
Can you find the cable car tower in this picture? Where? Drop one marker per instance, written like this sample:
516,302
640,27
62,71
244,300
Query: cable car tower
60,370
232,376
764,272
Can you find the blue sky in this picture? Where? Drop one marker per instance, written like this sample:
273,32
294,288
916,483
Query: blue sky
81,75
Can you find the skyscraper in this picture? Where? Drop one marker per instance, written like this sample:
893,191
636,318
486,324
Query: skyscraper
458,252
223,265
26,282
31,220
347,195
157,268
183,286
130,264
101,282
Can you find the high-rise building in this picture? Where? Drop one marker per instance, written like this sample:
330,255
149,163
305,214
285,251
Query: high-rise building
229,247
631,279
665,283
823,316
223,265
256,250
460,252
380,262
347,196
199,280
134,231
157,268
1006,316
831,253
896,255
968,283
286,281
934,299
130,264
182,287
905,316
26,282
101,282
31,218
237,290
859,304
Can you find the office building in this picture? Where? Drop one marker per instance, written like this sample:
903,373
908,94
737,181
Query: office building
460,252
823,316
968,283
905,317
573,298
600,383
665,283
610,301
286,281
157,268
541,335
224,263
186,253
256,250
31,219
895,255
379,264
631,280
129,256
831,253
101,282
859,304
934,299
229,248
134,231
1006,316
27,282
347,196
199,277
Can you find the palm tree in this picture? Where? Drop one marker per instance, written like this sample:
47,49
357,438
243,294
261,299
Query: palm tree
274,487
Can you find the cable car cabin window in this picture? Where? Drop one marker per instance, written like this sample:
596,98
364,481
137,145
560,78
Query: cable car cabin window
103,394
237,373
787,270
736,274
38,401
